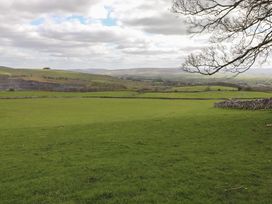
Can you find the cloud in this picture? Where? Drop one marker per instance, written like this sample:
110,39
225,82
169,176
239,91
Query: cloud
34,7
153,16
96,33
164,23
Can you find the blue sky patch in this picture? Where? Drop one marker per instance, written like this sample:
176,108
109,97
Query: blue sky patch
79,18
109,21
37,21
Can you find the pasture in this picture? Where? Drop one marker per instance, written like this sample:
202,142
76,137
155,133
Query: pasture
110,150
203,88
134,94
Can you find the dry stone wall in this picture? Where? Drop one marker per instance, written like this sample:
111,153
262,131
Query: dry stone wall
258,104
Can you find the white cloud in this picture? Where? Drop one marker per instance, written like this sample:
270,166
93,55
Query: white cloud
97,33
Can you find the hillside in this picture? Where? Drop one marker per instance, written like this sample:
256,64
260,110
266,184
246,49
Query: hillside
258,79
57,80
125,79
147,73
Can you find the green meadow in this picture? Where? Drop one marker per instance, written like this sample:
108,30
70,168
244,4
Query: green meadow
133,94
203,88
119,150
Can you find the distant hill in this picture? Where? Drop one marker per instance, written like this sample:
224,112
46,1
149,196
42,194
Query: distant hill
159,79
136,72
167,72
255,78
58,80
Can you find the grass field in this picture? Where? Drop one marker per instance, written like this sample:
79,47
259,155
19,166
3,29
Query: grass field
95,150
207,94
203,88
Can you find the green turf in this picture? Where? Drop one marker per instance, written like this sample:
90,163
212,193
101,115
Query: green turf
133,151
209,94
66,94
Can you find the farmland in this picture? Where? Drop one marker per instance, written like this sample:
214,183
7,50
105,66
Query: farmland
136,102
160,80
57,149
134,94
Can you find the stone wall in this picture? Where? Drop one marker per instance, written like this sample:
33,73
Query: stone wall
258,104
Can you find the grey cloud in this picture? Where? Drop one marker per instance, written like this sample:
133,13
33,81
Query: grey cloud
166,24
103,36
147,52
48,6
69,43
139,43
22,11
46,40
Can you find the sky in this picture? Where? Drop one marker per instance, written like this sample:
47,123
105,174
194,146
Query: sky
81,34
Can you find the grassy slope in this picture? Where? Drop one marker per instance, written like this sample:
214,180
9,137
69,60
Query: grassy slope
133,151
252,78
66,77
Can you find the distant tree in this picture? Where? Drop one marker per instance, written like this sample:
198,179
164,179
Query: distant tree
240,33
208,88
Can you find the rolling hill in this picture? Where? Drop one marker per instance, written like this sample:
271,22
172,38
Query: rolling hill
58,80
150,79
258,79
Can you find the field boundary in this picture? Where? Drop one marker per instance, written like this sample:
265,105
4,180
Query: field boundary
120,97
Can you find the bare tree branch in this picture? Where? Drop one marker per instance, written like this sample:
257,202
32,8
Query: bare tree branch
241,33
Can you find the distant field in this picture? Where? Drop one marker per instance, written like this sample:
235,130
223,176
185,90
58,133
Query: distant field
203,88
212,94
209,94
66,94
96,150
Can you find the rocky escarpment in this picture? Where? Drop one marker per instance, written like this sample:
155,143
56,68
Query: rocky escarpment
258,104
